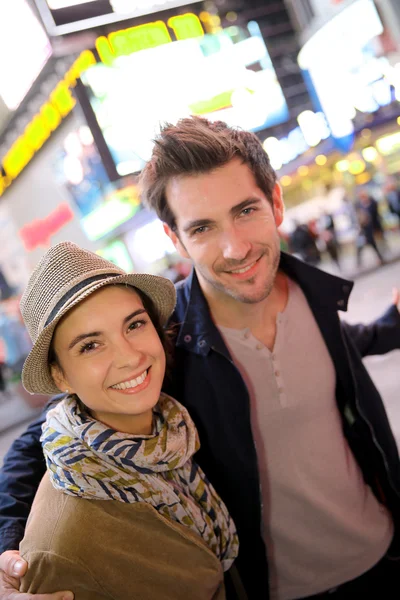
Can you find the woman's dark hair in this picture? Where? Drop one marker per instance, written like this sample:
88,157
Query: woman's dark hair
164,334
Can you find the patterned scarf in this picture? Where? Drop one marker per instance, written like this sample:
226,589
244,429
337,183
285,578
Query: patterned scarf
86,458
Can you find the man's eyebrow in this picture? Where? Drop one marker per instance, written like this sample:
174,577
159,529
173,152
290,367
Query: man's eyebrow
234,210
83,336
242,205
197,223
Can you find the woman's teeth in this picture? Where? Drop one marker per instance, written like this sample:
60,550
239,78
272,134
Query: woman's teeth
132,383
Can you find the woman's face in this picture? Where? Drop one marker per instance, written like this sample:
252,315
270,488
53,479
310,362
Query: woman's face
112,358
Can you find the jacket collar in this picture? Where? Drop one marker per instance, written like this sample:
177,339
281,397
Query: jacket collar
198,332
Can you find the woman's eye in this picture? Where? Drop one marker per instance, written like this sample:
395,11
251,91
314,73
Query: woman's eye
87,347
136,325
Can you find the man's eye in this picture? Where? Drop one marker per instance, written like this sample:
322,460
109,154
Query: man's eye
198,230
87,347
248,210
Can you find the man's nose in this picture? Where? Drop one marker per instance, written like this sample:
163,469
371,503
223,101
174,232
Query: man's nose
235,246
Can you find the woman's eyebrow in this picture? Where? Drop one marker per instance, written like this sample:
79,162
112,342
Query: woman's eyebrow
83,336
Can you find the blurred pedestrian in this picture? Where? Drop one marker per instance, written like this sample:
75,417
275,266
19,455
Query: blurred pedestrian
303,242
370,226
393,198
329,236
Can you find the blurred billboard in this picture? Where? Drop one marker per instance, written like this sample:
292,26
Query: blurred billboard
227,75
348,70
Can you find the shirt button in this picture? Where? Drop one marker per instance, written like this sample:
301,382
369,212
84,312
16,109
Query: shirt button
260,346
246,335
281,390
341,303
202,343
277,373
187,338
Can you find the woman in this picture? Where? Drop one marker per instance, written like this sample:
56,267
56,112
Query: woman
123,511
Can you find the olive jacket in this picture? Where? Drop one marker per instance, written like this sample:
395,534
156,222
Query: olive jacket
110,550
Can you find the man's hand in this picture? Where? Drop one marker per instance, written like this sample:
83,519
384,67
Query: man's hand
396,298
12,568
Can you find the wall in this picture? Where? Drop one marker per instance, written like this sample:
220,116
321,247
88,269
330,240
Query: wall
35,194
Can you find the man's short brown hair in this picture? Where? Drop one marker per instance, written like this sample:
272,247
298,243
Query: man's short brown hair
194,146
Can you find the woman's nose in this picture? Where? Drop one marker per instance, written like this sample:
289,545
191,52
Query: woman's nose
126,355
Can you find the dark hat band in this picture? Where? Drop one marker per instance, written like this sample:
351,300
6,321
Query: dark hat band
58,307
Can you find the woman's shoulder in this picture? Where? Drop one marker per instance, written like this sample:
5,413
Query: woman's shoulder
101,534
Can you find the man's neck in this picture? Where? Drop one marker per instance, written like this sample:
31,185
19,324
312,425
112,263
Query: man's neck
228,312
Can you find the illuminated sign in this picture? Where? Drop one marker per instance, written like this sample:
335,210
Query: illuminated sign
39,232
118,208
63,16
149,35
350,75
59,105
20,65
117,253
226,75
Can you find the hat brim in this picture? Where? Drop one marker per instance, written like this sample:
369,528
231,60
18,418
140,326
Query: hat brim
36,375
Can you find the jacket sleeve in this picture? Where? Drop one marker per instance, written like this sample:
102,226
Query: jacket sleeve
49,572
22,471
379,337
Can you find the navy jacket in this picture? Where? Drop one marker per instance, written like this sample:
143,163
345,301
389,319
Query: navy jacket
206,380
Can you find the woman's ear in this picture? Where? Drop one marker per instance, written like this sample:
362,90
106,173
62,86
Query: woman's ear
59,379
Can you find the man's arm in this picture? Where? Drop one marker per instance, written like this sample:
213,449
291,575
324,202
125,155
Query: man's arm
22,471
380,336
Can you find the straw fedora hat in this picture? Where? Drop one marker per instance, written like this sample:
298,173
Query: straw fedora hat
66,275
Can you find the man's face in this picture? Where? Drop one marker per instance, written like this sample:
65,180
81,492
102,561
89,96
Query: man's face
228,228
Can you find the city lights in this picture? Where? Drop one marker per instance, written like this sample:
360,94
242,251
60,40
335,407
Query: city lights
321,160
272,147
342,166
303,170
356,167
370,154
286,180
388,143
313,127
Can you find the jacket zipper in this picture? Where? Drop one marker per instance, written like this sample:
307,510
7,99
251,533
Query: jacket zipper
362,415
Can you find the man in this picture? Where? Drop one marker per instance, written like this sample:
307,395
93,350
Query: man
303,243
294,434
370,225
393,198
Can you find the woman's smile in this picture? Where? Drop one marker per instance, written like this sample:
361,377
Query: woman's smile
113,360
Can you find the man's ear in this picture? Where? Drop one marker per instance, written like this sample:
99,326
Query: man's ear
60,380
179,247
278,205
